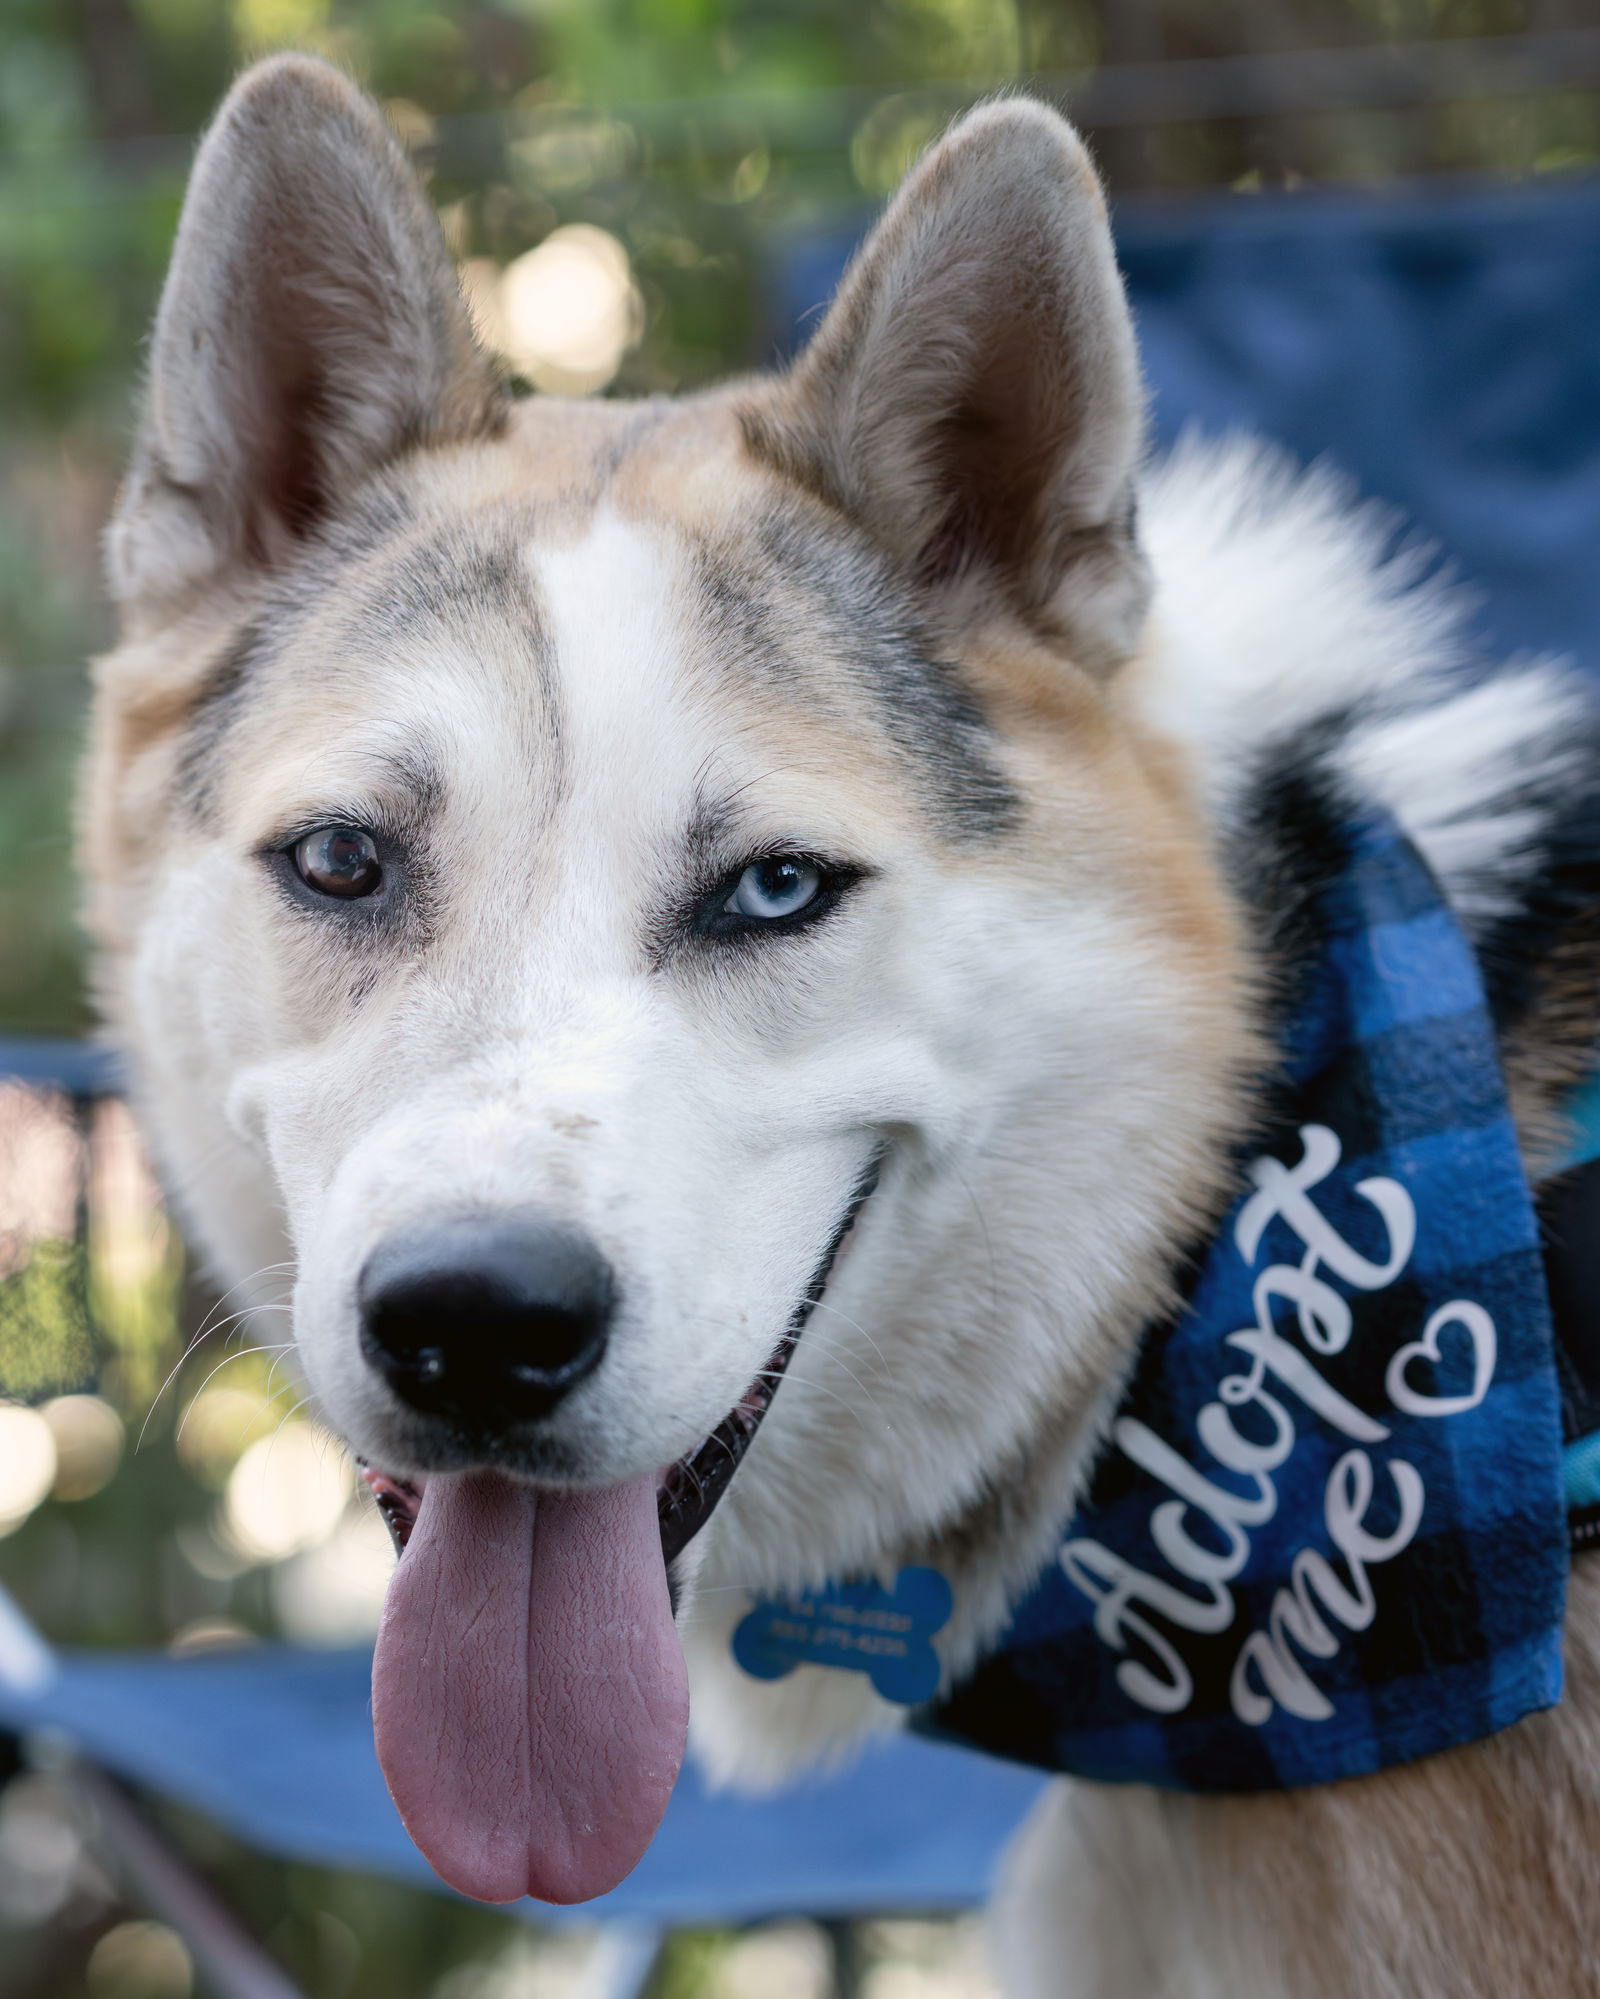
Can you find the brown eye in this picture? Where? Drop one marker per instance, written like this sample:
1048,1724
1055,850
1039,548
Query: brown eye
338,860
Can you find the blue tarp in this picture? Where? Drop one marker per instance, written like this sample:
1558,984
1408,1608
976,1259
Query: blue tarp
276,1745
1444,347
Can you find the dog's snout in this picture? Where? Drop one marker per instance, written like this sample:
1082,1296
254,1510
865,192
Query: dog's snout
488,1321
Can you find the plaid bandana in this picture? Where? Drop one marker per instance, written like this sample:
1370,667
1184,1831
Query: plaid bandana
1327,1533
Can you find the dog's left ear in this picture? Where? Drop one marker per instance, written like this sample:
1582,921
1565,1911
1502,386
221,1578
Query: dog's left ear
973,396
311,331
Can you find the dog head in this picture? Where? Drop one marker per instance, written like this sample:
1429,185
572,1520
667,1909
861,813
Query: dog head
554,861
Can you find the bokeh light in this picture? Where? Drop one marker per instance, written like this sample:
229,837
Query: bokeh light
43,1860
219,1425
27,1464
563,314
204,1635
88,1436
286,1493
332,1594
141,1960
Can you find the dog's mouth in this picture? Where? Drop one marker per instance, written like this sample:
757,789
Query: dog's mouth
529,1696
689,1491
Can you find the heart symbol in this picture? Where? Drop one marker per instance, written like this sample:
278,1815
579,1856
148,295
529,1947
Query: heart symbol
1479,1328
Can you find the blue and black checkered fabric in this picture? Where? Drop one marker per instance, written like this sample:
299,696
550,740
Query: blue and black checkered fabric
1206,1627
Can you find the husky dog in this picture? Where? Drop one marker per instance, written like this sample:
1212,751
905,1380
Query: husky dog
633,900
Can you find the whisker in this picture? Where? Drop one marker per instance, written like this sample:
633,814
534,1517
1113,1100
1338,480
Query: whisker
289,1417
835,1356
212,1324
287,1348
855,1326
833,1395
240,1353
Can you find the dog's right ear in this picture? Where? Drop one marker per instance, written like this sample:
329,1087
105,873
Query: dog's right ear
311,329
972,398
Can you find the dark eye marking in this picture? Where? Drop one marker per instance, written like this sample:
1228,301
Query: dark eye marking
774,894
338,861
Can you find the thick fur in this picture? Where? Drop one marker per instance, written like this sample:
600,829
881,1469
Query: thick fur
574,663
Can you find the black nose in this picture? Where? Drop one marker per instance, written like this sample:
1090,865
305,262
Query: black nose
486,1320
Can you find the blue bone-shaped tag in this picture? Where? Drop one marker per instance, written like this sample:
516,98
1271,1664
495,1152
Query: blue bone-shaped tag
859,1626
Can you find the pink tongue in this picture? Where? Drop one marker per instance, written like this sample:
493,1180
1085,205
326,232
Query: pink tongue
528,1692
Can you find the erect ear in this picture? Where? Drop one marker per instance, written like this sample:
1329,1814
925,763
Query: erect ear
972,397
312,327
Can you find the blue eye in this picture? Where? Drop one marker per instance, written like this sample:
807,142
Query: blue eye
779,886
